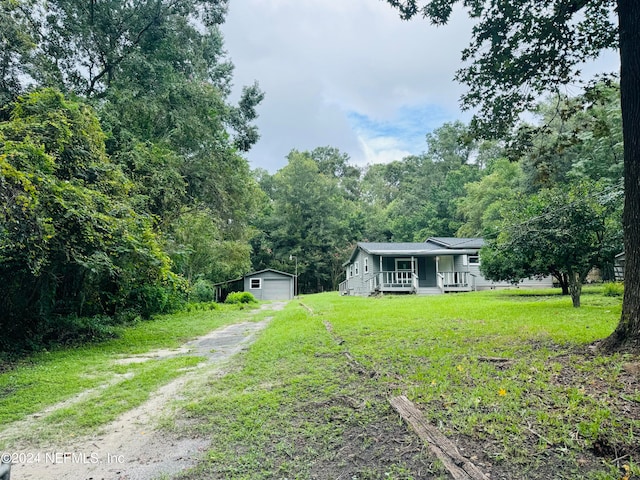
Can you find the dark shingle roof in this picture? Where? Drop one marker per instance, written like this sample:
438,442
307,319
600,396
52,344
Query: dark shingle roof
453,242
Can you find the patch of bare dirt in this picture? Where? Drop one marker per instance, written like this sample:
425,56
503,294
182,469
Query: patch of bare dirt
132,447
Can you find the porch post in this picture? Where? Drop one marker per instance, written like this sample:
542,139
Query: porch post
380,263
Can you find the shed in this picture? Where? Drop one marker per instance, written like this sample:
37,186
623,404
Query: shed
270,284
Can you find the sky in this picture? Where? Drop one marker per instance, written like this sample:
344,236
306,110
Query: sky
347,74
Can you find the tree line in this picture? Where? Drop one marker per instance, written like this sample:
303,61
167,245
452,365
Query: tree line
547,198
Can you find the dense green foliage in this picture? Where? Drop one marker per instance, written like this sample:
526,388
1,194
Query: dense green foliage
560,232
121,171
240,297
566,167
71,243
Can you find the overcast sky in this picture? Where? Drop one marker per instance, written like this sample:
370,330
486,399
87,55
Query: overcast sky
346,73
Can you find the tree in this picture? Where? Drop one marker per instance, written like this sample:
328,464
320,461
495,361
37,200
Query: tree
310,218
157,74
485,200
522,49
71,243
419,193
198,249
556,232
575,138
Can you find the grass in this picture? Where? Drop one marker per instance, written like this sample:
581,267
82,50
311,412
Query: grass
508,375
48,378
551,408
286,409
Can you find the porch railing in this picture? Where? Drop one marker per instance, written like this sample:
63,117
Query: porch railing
456,281
401,281
343,288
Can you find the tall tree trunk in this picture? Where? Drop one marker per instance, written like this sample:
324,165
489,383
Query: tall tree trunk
627,334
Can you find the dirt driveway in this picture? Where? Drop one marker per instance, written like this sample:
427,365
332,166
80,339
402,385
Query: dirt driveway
131,448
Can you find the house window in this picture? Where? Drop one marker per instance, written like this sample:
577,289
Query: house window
404,265
357,267
351,270
255,283
366,265
474,260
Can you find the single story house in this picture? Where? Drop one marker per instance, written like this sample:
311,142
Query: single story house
265,284
437,265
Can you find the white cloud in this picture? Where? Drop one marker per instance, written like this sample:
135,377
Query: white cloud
380,150
322,61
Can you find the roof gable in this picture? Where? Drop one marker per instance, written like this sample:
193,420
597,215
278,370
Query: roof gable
456,243
268,270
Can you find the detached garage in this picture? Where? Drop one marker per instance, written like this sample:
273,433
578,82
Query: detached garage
270,285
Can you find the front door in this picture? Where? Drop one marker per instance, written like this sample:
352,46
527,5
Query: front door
429,277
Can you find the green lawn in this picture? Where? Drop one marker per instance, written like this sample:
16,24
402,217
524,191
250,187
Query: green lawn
45,379
509,375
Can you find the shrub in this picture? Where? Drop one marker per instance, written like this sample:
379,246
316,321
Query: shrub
613,289
240,297
202,291
71,329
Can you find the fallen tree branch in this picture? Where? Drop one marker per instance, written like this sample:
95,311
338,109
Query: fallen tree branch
458,466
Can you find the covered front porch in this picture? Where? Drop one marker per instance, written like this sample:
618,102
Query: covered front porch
420,275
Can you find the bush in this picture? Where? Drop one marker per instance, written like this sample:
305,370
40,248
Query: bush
74,330
613,289
202,291
240,297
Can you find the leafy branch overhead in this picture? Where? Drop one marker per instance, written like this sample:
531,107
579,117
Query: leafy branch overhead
520,50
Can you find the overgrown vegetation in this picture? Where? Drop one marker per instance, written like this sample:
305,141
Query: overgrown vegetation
120,165
509,375
240,297
127,193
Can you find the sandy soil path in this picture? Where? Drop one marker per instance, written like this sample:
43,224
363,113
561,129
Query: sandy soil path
131,448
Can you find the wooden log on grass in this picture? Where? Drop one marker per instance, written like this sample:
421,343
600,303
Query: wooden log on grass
458,466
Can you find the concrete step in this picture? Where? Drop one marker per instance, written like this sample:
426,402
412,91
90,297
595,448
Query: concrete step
429,291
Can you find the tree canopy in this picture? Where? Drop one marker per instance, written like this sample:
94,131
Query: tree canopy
122,159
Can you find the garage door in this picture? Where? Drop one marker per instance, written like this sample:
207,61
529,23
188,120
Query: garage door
276,289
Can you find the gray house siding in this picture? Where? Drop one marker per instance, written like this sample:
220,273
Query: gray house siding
459,263
359,282
482,283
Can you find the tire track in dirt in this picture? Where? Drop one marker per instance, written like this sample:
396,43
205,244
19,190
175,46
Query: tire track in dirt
132,448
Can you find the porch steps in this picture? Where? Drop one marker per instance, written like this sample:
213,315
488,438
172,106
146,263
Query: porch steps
429,291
